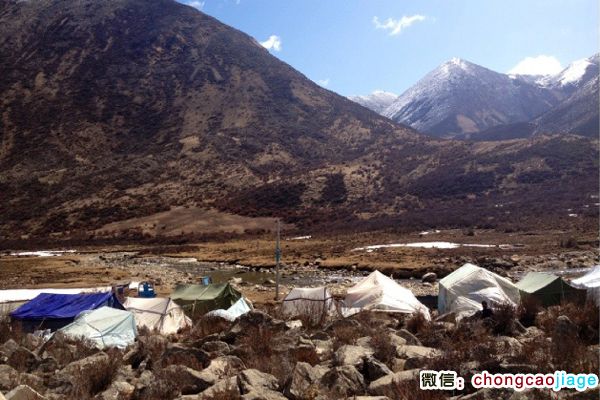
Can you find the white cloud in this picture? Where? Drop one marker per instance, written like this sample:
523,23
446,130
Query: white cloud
395,26
323,82
272,43
539,65
196,4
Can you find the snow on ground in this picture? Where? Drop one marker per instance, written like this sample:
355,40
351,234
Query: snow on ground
425,245
300,237
41,253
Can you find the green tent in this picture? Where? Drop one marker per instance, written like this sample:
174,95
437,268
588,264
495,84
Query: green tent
197,300
548,289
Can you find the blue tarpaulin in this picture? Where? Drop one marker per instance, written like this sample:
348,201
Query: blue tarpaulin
64,306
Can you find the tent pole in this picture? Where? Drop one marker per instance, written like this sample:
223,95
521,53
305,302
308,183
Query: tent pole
277,259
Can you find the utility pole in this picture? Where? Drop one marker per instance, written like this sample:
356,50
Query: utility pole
277,261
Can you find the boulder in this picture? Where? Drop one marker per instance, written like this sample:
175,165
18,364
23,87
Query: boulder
220,367
344,381
374,369
255,380
304,380
189,381
217,347
33,381
23,359
31,342
429,277
564,329
411,351
9,347
226,388
263,395
385,385
178,354
118,390
9,377
409,337
23,392
351,355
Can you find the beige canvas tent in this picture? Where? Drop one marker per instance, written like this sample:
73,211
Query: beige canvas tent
315,302
157,314
463,290
378,292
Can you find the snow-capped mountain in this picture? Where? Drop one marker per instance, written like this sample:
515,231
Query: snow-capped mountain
460,97
576,75
377,101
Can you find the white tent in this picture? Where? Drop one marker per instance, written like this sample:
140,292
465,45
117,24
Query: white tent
316,302
158,314
240,307
463,290
105,327
590,282
378,292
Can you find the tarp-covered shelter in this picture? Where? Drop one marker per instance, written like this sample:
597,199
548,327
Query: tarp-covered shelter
548,289
239,308
105,327
157,314
378,292
591,283
464,289
316,302
11,299
53,311
197,300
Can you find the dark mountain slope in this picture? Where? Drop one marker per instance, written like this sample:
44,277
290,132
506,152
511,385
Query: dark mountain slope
118,109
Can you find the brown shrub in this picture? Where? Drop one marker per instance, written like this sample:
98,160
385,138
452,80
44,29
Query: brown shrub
417,323
528,310
586,318
207,325
305,354
411,390
88,382
504,318
10,330
384,349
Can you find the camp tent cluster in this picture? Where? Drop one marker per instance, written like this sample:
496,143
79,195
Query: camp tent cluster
97,315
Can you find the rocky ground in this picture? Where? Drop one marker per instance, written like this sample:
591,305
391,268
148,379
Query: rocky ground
260,356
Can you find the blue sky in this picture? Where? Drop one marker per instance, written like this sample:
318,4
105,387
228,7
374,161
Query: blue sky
358,46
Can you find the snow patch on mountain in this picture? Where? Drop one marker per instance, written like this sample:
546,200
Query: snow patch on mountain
377,101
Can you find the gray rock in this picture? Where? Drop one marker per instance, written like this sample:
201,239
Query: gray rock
216,346
374,369
344,381
411,351
23,359
23,392
179,354
384,386
429,277
351,355
409,337
227,385
33,381
118,390
255,380
305,379
9,347
9,377
263,395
